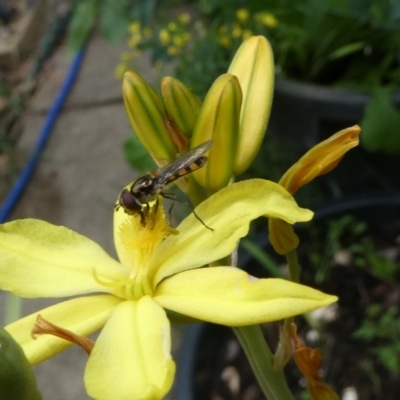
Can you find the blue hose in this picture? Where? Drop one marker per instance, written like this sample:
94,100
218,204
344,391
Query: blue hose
16,191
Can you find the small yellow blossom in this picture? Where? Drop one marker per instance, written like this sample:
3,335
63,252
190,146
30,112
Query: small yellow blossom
178,41
267,19
184,18
165,37
237,31
172,50
134,27
172,26
134,40
242,14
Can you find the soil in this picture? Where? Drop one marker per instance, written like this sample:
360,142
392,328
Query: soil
359,264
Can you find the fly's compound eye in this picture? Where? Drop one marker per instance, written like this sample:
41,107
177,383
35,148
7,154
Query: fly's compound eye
129,202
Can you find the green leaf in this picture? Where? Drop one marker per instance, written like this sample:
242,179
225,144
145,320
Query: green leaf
17,381
137,156
114,19
83,19
346,50
381,124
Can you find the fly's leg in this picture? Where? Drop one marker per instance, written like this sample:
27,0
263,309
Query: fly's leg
172,196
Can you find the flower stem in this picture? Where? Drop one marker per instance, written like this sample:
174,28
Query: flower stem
272,381
293,263
294,272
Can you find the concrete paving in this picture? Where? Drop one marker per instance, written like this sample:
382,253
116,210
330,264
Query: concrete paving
79,176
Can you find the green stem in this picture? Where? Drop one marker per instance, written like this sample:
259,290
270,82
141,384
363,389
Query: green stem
271,381
293,263
294,272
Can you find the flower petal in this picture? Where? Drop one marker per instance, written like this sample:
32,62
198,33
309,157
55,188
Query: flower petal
43,260
229,296
321,159
131,359
282,236
83,316
229,212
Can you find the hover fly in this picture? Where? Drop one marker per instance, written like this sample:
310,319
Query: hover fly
146,188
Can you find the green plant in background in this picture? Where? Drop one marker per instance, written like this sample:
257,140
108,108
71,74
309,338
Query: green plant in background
112,17
352,44
348,237
380,331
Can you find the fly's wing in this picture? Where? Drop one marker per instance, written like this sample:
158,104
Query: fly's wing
185,164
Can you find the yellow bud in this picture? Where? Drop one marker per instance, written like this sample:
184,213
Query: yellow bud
147,117
253,65
219,120
181,104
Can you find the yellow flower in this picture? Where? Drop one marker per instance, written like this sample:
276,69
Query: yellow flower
165,37
320,160
134,27
237,31
172,50
157,272
267,19
242,14
246,34
184,18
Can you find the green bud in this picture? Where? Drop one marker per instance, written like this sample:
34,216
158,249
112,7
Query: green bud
17,381
147,116
181,103
219,120
253,65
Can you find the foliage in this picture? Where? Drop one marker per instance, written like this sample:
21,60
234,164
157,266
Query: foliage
380,330
353,44
348,237
113,18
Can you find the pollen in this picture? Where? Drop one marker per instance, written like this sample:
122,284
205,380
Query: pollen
143,232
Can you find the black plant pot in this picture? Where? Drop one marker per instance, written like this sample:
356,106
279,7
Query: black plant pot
206,347
303,114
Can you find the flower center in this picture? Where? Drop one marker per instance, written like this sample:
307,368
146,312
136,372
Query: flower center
137,236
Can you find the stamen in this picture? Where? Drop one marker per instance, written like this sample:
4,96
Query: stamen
45,327
118,284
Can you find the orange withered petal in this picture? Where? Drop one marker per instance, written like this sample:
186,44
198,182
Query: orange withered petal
308,361
321,159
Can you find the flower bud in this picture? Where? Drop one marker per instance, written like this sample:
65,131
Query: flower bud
253,65
147,117
181,104
219,121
